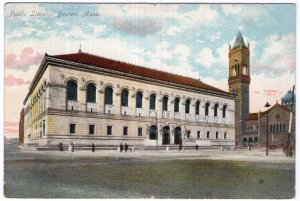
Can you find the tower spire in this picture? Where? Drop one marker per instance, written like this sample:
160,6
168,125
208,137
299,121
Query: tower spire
239,41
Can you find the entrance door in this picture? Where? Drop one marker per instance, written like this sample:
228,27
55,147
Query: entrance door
166,135
177,135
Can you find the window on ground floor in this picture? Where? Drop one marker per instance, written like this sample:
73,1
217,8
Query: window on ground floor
91,129
217,135
109,130
125,130
140,131
225,135
198,134
72,128
207,135
188,134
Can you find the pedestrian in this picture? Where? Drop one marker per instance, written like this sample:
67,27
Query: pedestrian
126,147
93,147
197,147
60,146
180,147
121,147
72,147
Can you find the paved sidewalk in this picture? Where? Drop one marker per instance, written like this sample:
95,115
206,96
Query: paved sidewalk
234,155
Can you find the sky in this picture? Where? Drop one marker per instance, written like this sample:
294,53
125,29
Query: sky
187,39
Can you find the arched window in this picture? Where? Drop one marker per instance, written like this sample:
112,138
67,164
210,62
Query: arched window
197,109
152,101
152,132
280,128
124,98
108,96
165,103
224,110
139,100
71,90
207,109
216,109
176,105
91,93
283,127
187,106
271,130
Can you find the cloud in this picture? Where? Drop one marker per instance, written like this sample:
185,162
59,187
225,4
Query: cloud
215,36
269,89
172,31
148,18
206,58
11,123
279,56
25,31
25,60
75,32
231,9
270,92
139,26
11,81
98,28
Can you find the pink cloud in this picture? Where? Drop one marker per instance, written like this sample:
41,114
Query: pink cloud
270,92
26,59
12,81
11,123
11,131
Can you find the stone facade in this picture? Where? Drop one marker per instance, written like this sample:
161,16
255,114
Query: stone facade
278,120
51,117
239,81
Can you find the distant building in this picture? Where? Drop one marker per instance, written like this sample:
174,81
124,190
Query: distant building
83,99
251,128
278,124
21,128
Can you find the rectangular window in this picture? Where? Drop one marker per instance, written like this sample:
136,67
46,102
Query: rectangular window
109,130
188,134
72,128
225,135
207,135
125,130
140,131
198,134
217,135
91,129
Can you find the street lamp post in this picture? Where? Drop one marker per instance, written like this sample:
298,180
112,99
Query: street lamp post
156,132
267,136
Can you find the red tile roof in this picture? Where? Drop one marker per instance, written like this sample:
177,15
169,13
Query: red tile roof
88,59
253,116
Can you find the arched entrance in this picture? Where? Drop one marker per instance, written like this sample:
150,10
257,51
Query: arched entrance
250,141
255,141
245,142
152,132
166,135
177,134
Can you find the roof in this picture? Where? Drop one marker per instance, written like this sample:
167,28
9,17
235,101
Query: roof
239,41
276,106
101,62
253,116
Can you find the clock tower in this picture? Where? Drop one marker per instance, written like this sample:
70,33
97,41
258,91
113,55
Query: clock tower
239,81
